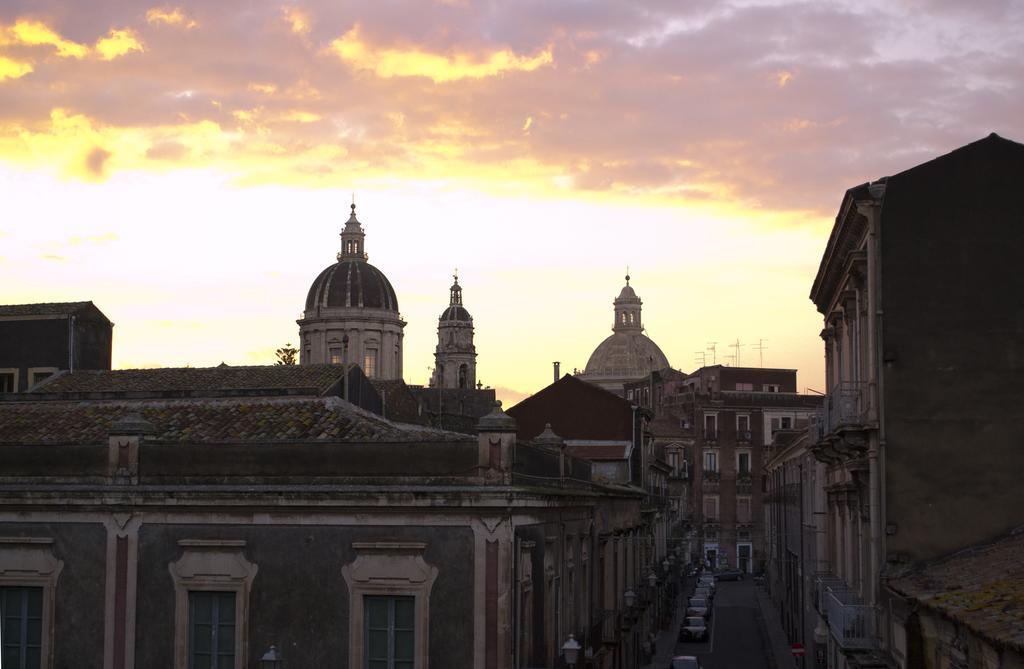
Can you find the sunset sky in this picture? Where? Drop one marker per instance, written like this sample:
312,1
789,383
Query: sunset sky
188,166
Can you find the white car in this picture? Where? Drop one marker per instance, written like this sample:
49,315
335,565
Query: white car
698,606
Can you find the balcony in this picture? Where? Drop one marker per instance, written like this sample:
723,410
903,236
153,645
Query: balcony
822,584
710,436
845,406
743,435
852,624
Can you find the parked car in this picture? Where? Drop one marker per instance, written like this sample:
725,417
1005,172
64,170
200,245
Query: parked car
694,629
684,662
706,593
698,606
707,581
729,575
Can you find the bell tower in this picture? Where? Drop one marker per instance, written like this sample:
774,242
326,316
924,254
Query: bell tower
455,355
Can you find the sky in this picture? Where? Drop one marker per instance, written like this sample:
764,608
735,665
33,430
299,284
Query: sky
188,166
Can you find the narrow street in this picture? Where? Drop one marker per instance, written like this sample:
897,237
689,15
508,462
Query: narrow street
736,639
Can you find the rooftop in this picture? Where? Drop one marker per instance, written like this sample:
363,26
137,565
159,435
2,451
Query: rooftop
980,587
307,379
208,420
46,309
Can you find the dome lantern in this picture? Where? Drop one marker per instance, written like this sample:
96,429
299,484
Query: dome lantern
353,239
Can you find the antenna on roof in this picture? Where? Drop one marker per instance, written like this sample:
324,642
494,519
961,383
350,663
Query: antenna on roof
714,356
760,348
700,358
736,346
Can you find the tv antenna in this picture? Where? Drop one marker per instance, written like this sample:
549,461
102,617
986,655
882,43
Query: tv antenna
711,347
736,346
760,348
700,358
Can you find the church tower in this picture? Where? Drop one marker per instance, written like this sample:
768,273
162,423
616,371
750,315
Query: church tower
455,356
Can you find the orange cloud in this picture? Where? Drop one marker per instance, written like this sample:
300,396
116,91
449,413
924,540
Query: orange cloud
37,33
13,69
414,62
118,43
170,16
782,78
297,20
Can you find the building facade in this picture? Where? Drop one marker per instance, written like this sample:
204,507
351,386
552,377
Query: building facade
724,417
39,340
921,430
208,515
351,313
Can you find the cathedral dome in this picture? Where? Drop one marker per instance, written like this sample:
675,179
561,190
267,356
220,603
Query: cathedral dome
626,355
456,313
351,283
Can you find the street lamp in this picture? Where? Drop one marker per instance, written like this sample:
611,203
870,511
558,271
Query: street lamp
652,578
571,651
665,565
272,659
630,597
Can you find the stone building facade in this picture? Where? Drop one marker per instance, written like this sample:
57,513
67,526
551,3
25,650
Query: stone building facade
919,438
204,514
39,340
351,313
724,417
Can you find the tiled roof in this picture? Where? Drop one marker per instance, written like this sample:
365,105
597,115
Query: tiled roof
222,420
318,378
981,587
42,309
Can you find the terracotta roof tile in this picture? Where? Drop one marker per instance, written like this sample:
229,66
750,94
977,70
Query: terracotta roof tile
981,587
317,378
219,420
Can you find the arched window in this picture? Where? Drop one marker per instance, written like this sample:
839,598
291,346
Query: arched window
463,374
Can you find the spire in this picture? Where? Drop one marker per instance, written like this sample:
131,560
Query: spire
456,289
352,237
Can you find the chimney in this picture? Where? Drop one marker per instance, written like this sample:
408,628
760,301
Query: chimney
557,366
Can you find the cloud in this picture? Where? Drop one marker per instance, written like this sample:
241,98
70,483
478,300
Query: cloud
748,105
416,62
37,33
297,20
170,16
118,43
13,69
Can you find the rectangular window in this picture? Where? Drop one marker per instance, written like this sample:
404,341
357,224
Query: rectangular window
711,508
389,632
743,462
771,387
742,509
39,374
710,461
211,630
370,363
21,623
744,386
786,422
742,424
8,381
710,426
335,356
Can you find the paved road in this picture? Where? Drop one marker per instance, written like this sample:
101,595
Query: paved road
735,641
